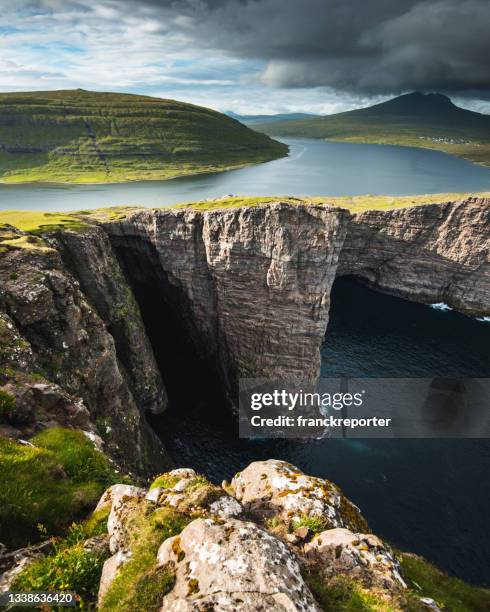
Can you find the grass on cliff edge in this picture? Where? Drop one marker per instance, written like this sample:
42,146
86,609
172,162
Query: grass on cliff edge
355,204
342,593
448,592
47,486
140,585
36,222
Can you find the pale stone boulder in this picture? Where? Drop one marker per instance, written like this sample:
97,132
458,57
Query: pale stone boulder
226,507
109,572
188,496
232,565
362,556
276,488
115,493
117,497
172,496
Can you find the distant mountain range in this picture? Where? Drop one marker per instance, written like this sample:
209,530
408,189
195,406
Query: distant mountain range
83,136
415,119
253,119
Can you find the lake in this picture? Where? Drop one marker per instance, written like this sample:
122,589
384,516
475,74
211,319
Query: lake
314,167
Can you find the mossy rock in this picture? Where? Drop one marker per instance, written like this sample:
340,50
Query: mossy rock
140,585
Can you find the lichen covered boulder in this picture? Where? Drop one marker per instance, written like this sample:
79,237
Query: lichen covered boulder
362,556
187,491
275,488
123,500
232,565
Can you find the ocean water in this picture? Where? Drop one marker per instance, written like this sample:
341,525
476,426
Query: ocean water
426,496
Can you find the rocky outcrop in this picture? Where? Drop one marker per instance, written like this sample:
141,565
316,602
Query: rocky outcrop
237,563
251,286
276,489
233,565
224,294
430,254
50,333
360,555
90,257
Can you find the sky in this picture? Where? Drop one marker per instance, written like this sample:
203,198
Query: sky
251,56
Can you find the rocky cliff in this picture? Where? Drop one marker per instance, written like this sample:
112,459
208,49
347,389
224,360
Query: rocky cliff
251,285
429,254
98,321
70,322
104,310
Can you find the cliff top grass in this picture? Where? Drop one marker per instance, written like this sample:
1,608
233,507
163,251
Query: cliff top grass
49,483
354,204
38,223
448,592
78,136
34,221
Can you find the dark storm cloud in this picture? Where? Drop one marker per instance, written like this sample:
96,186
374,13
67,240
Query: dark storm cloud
362,46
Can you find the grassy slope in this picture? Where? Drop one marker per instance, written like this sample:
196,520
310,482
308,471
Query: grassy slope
80,136
46,486
412,120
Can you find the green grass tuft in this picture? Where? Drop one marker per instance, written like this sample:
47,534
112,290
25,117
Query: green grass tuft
46,486
450,593
313,523
7,403
68,567
78,456
164,481
343,594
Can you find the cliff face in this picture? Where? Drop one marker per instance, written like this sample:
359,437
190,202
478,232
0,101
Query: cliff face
224,294
432,253
252,285
65,341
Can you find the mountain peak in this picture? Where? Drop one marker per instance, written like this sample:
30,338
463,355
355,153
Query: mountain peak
418,102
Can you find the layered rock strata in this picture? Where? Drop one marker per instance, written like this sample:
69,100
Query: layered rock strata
230,293
252,285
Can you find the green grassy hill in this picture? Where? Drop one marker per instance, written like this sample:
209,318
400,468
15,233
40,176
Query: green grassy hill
419,120
82,136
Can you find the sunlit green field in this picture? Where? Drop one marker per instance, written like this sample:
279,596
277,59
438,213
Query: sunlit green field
85,137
